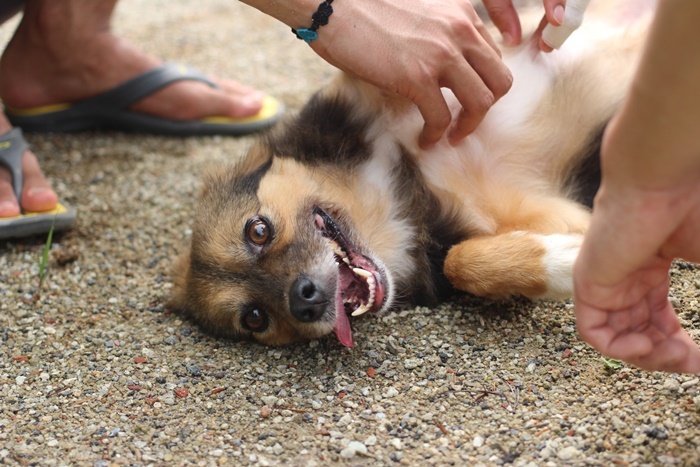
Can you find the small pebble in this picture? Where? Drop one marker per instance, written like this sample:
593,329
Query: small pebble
352,449
568,453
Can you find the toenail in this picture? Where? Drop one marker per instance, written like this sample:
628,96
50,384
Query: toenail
8,206
252,101
38,191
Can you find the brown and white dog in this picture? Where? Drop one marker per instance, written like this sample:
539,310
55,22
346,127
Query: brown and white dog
338,212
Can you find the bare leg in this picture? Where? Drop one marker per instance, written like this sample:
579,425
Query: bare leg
65,51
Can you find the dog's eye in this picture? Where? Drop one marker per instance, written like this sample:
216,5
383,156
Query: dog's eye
255,320
258,231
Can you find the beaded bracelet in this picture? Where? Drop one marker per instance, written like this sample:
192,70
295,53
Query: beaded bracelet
320,18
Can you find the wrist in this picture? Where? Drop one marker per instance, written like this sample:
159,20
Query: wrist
318,19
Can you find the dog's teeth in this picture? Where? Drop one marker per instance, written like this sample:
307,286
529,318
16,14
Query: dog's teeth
362,273
361,310
336,249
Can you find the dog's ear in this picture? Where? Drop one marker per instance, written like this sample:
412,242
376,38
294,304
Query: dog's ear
180,303
257,156
180,273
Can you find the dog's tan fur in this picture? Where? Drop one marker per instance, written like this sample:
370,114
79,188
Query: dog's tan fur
503,212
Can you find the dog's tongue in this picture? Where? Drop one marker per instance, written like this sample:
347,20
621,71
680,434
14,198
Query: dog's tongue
342,324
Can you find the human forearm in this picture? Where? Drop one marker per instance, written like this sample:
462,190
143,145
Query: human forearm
646,212
653,141
294,13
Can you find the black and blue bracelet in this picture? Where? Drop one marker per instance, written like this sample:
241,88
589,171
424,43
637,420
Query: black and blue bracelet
320,18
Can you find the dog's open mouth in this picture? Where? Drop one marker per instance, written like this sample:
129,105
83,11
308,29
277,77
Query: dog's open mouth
361,287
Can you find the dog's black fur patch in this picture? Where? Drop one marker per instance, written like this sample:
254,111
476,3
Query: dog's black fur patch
584,178
440,230
326,131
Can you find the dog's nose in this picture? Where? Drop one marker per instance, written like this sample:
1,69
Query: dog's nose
306,302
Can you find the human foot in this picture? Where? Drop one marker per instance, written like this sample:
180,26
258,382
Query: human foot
37,194
40,67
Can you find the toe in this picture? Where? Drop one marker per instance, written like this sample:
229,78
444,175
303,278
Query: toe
243,101
37,194
193,101
8,203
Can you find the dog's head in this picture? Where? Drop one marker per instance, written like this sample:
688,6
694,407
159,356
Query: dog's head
277,255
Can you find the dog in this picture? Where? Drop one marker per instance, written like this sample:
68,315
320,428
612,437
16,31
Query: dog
339,213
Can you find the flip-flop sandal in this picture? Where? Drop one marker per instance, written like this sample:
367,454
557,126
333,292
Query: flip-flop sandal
110,110
12,148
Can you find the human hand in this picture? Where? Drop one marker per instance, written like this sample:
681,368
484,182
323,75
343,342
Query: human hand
505,17
647,211
621,281
413,48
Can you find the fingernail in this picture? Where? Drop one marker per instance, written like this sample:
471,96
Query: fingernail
559,14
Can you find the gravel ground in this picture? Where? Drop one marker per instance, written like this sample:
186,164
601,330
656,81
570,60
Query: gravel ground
95,371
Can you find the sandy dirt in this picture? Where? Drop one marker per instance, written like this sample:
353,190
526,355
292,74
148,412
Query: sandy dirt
95,371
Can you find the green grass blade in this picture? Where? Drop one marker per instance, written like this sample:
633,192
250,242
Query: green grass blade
43,263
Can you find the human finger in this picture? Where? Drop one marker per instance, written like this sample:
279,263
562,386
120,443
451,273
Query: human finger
537,36
593,328
436,115
592,323
662,315
562,22
554,11
505,17
656,347
483,31
481,52
628,347
675,355
554,15
466,122
490,80
544,47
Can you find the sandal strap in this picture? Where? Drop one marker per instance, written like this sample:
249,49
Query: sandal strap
12,148
145,84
